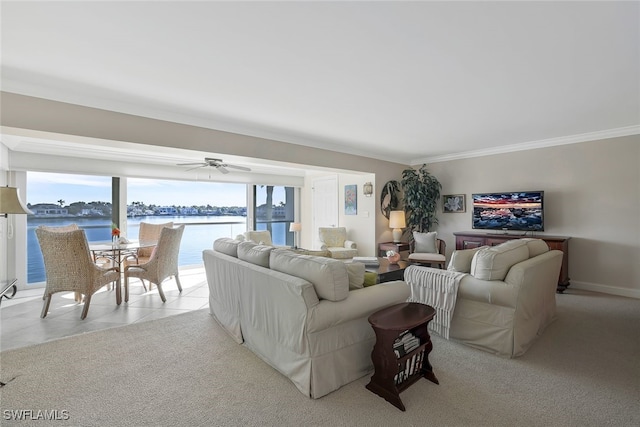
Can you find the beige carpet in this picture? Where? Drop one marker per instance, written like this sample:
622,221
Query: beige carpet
185,371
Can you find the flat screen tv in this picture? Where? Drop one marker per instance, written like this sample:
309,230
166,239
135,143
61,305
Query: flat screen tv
517,211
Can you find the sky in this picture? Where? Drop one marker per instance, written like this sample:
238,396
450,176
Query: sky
51,187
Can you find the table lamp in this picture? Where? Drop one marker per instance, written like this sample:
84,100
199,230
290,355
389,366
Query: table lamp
397,222
10,202
295,227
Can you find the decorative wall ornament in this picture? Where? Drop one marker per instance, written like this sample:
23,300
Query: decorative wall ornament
367,189
390,198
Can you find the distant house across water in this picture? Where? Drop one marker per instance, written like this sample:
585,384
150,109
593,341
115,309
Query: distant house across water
49,210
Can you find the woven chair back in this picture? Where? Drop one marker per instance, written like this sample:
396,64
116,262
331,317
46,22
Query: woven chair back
150,233
167,252
67,260
61,229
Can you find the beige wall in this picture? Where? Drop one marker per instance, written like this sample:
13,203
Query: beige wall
592,193
23,112
592,189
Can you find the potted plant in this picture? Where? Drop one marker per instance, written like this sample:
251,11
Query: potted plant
421,195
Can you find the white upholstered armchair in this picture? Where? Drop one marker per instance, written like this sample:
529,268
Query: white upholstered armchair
334,240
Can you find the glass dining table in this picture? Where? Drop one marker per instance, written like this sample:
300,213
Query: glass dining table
118,252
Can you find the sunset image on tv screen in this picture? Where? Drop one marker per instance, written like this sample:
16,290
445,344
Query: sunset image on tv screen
509,211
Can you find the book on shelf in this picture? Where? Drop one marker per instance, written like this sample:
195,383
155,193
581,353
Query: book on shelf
367,260
405,343
409,368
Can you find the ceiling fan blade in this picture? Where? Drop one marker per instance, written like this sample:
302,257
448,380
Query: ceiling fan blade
222,169
242,168
200,165
192,164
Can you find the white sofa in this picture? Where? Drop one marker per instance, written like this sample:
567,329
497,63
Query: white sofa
506,294
305,316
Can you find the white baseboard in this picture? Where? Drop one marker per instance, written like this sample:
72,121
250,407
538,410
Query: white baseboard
605,289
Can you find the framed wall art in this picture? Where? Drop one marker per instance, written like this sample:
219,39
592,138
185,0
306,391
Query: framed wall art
453,203
350,199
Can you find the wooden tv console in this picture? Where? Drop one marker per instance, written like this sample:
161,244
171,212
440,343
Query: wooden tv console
470,239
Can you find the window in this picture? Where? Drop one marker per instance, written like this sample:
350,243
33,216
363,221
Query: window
62,199
274,211
209,209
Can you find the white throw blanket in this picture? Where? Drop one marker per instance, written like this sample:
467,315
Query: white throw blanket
437,288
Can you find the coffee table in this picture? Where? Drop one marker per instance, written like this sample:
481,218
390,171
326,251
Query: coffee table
386,271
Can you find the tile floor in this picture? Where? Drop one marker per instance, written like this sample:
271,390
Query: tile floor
21,325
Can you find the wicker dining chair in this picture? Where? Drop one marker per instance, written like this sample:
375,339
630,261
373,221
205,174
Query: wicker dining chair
162,264
61,229
148,233
102,261
69,267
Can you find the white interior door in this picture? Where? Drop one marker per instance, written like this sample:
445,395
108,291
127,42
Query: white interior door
325,205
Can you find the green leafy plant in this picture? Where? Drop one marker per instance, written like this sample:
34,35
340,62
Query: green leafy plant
421,195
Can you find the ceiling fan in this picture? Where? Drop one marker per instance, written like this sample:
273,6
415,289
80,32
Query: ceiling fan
215,163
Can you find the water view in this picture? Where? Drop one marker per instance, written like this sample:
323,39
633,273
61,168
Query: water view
199,234
209,210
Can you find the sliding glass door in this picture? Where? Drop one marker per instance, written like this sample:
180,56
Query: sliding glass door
275,208
62,199
209,209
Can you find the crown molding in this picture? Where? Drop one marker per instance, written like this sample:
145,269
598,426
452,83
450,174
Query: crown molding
533,145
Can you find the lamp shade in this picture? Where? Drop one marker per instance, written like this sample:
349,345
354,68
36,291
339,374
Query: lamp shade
397,219
10,202
295,226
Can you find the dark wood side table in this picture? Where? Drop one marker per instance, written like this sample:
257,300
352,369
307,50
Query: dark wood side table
394,374
392,246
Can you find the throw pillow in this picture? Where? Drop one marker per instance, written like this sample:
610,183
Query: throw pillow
260,237
425,242
536,246
227,246
355,271
461,259
255,254
370,278
494,263
328,276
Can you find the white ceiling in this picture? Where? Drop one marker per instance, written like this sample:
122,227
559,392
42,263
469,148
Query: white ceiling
411,82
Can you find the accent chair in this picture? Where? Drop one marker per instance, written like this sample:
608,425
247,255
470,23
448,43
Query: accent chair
334,240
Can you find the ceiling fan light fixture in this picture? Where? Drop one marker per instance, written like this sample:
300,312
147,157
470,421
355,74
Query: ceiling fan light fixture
215,163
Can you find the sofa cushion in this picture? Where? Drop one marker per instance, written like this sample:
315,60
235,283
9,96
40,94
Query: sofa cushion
254,253
461,259
260,237
425,242
355,271
494,263
536,246
311,252
328,276
342,253
227,246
